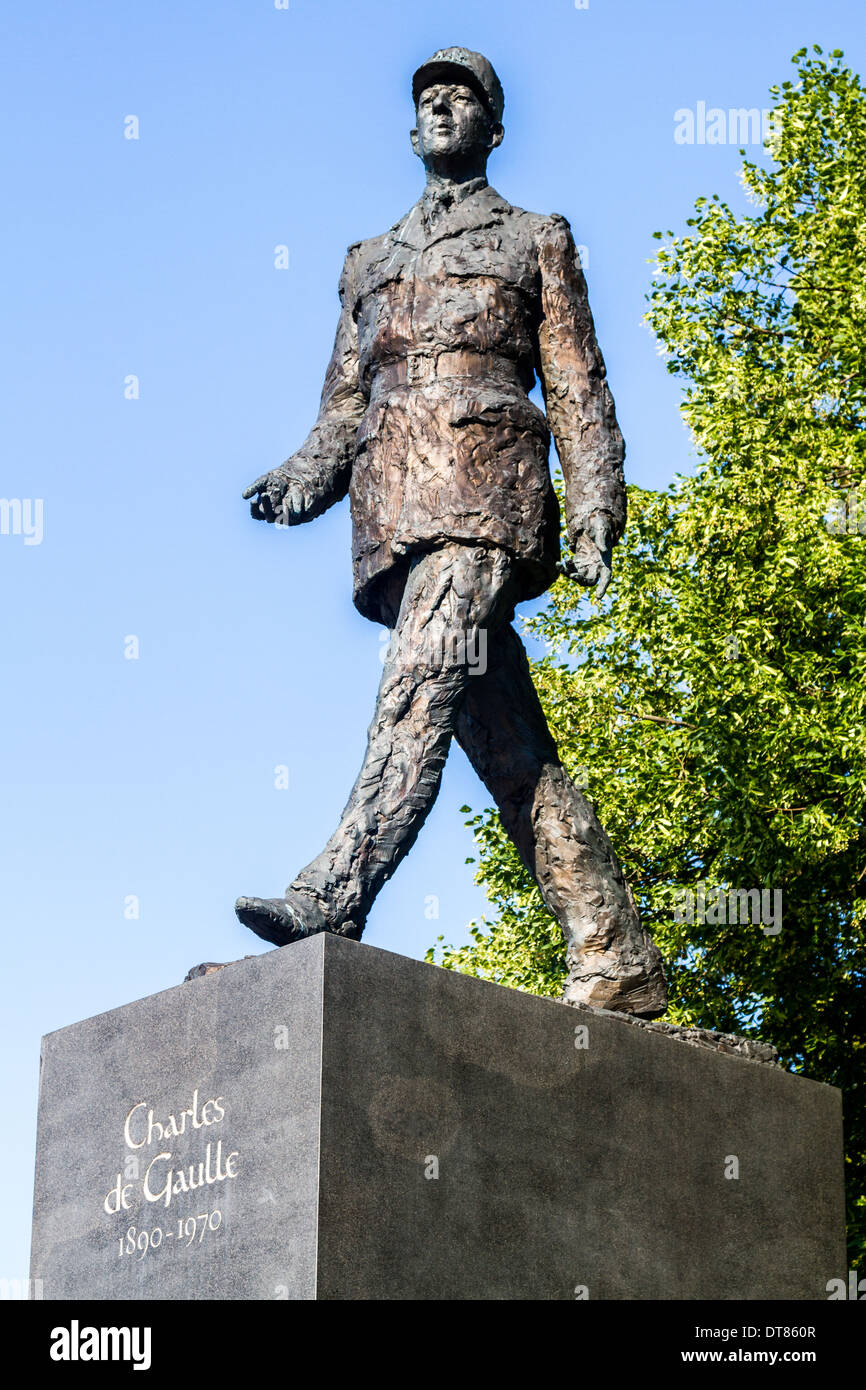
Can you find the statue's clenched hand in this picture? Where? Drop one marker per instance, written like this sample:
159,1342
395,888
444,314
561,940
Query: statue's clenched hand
281,496
593,553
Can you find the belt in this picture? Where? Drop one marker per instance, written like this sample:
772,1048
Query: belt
419,370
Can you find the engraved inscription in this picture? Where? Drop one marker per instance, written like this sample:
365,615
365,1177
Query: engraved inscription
167,1170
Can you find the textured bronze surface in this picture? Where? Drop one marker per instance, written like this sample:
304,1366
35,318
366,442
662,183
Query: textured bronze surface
425,421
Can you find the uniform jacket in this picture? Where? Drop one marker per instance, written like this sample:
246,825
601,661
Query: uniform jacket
425,417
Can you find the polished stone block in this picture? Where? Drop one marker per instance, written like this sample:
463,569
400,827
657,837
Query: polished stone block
335,1121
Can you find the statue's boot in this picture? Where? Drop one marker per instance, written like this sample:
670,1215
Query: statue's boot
612,960
291,918
613,963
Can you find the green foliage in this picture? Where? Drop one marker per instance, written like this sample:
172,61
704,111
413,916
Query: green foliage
713,704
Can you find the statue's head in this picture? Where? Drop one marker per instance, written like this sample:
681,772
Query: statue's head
459,104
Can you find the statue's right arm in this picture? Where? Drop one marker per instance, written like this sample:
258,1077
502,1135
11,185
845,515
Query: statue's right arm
317,476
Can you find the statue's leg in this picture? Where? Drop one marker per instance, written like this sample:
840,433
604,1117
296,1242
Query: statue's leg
612,961
453,596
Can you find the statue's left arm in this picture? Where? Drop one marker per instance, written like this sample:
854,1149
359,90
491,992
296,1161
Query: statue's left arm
580,408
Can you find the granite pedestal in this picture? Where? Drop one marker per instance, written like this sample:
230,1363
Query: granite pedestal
334,1121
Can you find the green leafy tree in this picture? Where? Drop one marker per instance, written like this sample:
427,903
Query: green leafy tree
713,703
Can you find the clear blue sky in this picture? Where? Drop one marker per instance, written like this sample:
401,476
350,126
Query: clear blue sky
155,257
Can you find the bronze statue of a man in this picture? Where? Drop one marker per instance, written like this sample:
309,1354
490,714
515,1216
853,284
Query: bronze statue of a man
426,422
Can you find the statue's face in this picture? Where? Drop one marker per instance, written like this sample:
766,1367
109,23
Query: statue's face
452,123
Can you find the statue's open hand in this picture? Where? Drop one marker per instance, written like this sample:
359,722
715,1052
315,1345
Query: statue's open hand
593,555
280,496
